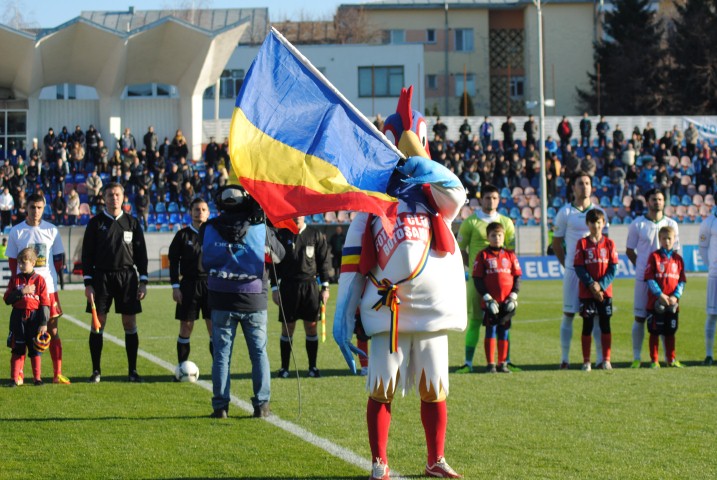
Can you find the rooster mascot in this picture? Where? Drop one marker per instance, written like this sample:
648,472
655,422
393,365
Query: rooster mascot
408,286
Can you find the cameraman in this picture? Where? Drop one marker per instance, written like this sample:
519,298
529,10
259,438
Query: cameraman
234,248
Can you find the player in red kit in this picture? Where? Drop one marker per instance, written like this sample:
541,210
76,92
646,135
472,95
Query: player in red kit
595,265
665,278
27,293
496,275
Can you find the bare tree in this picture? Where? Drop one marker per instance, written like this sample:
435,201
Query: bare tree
14,14
352,26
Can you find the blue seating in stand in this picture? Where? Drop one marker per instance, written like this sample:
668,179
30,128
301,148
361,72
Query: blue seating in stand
151,227
627,221
187,219
616,220
162,218
160,208
164,228
675,200
505,192
173,207
151,218
175,218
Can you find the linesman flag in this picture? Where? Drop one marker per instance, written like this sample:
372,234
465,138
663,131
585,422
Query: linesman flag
300,148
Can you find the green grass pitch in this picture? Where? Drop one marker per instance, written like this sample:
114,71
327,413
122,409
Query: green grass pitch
540,423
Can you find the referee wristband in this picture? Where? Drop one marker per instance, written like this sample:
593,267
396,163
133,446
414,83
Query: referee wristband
274,289
175,285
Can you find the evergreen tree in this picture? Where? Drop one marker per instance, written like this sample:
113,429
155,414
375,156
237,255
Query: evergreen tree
692,44
632,72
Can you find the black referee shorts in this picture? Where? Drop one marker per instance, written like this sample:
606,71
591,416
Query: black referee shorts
195,299
300,301
121,287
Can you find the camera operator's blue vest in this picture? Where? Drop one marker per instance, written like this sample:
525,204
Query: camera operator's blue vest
234,267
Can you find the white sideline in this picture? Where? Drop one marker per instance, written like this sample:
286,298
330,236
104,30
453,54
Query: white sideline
339,452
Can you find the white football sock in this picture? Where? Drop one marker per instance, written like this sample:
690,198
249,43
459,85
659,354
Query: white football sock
638,337
710,326
566,336
598,340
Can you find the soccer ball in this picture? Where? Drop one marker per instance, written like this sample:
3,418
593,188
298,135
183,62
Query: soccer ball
187,372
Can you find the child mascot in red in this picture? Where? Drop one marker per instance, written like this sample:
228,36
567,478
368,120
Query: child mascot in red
409,286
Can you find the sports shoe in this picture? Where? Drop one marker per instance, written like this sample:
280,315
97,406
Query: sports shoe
504,368
61,379
636,364
20,378
708,361
514,368
314,372
564,366
586,367
379,470
262,410
676,364
134,377
219,413
655,365
38,382
606,365
441,469
465,369
490,368
364,371
95,377
282,373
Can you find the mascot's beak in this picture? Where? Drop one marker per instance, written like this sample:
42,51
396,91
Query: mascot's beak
410,145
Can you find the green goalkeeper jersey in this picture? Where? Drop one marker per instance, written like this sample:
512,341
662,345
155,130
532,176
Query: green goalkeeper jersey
472,233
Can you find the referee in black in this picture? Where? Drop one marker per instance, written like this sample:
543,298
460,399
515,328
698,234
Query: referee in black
113,254
298,293
190,293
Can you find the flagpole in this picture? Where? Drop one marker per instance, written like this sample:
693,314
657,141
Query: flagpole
305,61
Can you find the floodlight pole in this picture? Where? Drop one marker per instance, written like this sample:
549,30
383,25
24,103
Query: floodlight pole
543,173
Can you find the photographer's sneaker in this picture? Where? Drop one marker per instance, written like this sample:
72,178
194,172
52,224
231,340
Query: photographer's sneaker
441,469
379,471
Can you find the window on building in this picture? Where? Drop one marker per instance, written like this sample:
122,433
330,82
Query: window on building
431,82
396,36
139,90
66,91
430,36
470,84
230,83
380,81
464,39
517,85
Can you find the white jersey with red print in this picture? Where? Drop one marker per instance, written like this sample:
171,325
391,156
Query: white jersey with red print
643,239
45,239
570,225
435,299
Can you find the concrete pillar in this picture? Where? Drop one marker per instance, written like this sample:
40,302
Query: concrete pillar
110,113
190,119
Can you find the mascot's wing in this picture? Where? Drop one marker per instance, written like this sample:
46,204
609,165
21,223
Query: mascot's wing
351,286
445,188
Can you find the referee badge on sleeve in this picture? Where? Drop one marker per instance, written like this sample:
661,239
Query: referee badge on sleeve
310,251
127,237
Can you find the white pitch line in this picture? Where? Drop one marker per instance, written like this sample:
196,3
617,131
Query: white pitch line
327,445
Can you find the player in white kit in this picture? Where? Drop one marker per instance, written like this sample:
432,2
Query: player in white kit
642,240
570,226
708,250
45,239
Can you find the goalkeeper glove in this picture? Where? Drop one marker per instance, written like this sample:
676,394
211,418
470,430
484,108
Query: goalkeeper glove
490,304
511,303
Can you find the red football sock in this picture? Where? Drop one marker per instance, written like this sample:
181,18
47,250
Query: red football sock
36,367
363,345
586,340
56,355
670,347
489,345
378,418
606,345
654,347
502,350
16,363
434,416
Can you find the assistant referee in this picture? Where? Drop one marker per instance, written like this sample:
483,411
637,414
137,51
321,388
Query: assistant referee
113,254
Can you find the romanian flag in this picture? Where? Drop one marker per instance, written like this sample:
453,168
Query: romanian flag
300,148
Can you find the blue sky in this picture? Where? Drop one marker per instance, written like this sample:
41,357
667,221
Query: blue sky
51,13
